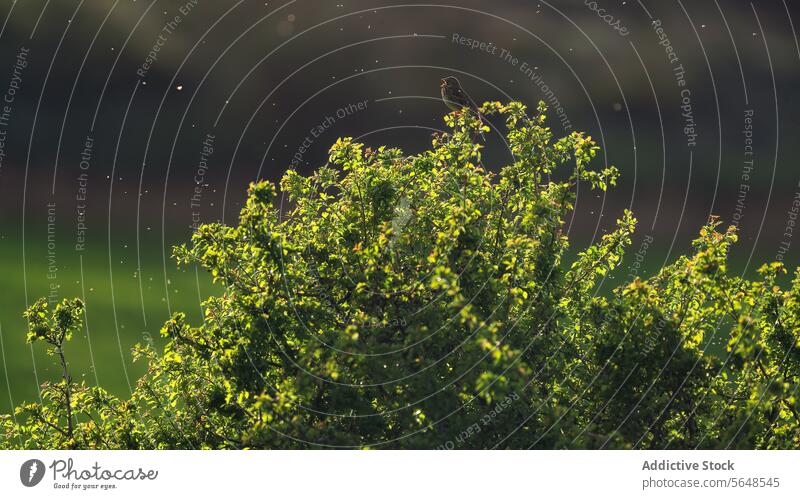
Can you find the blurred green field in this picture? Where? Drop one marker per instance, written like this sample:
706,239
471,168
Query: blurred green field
118,316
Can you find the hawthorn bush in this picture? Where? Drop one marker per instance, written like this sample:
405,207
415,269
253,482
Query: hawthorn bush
424,302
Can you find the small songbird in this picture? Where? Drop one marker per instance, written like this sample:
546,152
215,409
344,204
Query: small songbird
457,99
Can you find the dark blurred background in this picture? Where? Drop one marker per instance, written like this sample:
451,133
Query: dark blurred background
124,123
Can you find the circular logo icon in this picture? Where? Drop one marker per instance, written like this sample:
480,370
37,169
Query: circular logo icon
31,472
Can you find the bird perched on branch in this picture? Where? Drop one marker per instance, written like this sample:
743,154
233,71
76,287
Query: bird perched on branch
457,99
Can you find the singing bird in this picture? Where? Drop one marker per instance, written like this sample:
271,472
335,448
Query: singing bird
456,98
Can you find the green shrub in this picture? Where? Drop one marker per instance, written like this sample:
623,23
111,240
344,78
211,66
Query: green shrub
424,302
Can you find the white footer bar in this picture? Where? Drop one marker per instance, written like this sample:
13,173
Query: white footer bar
389,474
